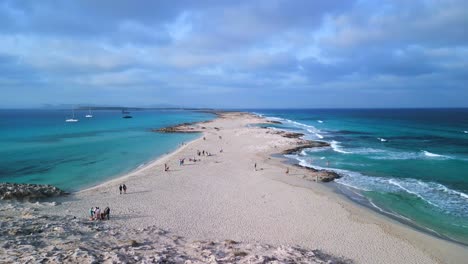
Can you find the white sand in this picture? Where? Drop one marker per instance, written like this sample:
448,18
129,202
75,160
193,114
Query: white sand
223,197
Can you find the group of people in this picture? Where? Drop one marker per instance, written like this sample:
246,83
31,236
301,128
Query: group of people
123,188
97,214
203,153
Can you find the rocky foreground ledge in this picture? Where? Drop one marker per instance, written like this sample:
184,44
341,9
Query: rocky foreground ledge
29,237
10,191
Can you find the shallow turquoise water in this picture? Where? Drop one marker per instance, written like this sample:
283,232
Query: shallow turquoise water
37,146
412,164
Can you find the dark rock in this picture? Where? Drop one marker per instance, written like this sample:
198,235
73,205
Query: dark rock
321,175
274,122
308,144
133,243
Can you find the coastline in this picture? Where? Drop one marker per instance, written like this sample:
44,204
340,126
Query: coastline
351,195
391,233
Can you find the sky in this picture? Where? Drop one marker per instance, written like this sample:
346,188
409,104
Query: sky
234,54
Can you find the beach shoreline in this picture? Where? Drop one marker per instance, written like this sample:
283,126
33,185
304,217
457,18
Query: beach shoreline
254,200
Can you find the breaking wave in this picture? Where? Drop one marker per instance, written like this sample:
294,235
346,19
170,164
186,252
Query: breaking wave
335,145
433,194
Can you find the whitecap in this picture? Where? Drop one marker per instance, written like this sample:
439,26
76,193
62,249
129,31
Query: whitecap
466,131
320,121
335,145
382,139
434,155
434,194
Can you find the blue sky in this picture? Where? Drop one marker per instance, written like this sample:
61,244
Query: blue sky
334,53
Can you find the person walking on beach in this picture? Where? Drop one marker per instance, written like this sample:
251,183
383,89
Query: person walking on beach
255,166
124,187
120,189
91,212
287,170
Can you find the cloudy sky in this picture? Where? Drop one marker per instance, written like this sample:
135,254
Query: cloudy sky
330,53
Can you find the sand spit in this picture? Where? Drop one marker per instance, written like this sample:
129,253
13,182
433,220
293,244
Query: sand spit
236,190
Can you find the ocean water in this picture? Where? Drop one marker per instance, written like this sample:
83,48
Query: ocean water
38,146
410,164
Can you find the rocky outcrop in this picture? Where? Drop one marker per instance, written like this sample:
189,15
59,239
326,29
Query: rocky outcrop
17,191
274,122
320,175
28,237
307,144
180,128
285,134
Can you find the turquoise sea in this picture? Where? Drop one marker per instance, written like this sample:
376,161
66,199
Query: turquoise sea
38,146
410,164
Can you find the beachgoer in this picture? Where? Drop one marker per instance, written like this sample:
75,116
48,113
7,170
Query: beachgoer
221,151
120,189
91,212
107,212
97,213
255,166
124,187
328,163
203,153
220,137
287,170
204,138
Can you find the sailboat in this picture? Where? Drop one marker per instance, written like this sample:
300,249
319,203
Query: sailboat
73,117
125,114
89,115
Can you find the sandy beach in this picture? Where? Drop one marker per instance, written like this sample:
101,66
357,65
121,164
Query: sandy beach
223,196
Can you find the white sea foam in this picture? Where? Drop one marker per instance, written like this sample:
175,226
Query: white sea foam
434,155
434,194
382,139
312,131
466,131
335,145
320,121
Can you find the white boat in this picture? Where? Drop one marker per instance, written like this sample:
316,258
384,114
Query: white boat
70,120
89,115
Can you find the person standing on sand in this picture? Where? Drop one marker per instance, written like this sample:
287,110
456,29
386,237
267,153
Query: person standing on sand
97,213
255,166
124,187
107,212
120,189
287,170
